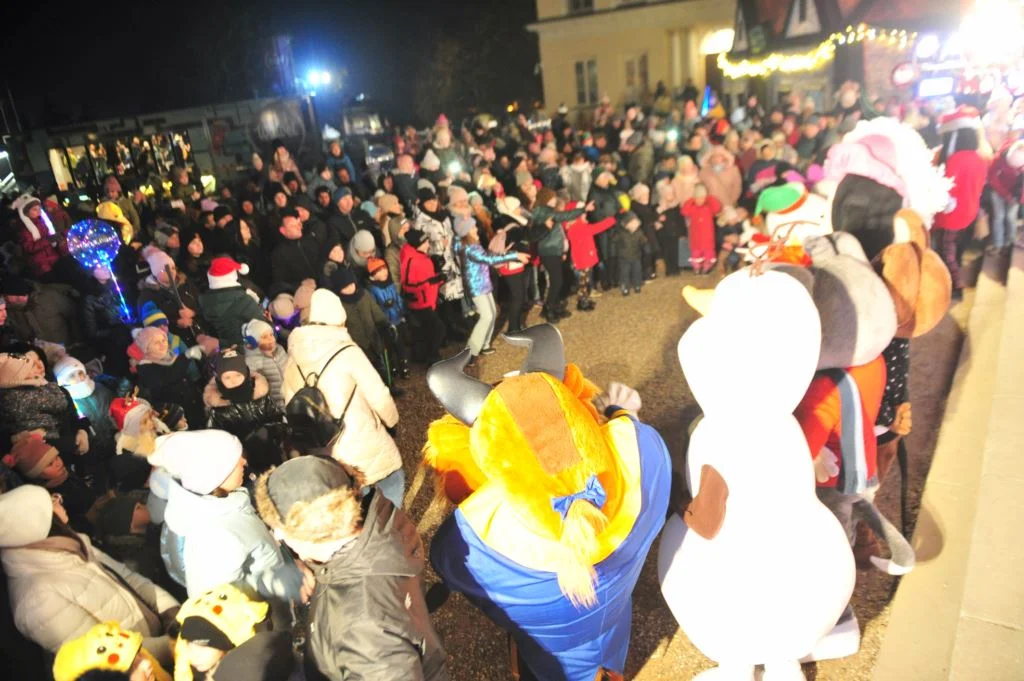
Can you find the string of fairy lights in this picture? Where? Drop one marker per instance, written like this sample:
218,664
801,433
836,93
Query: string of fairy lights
816,57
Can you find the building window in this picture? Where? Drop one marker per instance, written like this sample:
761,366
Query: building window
637,82
581,6
586,82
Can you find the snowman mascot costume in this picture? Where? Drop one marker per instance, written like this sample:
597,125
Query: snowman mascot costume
755,569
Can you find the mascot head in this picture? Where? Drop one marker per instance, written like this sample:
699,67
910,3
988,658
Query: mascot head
879,168
538,437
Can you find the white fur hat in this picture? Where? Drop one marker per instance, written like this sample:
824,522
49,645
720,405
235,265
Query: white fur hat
26,514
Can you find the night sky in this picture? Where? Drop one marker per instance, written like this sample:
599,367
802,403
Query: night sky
112,58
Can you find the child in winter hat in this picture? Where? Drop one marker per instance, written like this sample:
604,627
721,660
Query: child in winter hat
265,355
37,460
138,425
153,316
213,624
107,647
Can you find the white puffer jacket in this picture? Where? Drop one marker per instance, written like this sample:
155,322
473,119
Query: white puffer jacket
56,596
365,443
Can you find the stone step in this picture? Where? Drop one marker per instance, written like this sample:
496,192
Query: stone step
927,632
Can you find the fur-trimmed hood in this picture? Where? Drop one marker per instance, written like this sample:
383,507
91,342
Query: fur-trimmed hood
213,399
333,516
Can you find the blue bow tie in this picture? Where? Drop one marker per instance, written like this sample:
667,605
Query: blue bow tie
593,492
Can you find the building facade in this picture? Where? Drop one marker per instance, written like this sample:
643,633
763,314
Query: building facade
811,47
624,48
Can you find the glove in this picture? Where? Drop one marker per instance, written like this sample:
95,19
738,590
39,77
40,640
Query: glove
195,352
81,442
618,396
826,465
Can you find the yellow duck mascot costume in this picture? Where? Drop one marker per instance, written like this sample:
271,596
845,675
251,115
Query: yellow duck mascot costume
560,494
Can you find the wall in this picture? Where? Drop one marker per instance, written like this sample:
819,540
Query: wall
670,33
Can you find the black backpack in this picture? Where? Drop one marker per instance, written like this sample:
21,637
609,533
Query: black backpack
309,417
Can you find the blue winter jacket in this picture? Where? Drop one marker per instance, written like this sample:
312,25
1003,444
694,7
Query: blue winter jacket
476,266
389,300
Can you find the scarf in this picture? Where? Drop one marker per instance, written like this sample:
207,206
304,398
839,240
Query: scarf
81,390
440,215
33,228
239,394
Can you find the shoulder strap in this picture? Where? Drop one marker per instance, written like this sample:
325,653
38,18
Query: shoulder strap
324,367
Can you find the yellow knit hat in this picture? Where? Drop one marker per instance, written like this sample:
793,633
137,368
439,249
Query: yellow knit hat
105,646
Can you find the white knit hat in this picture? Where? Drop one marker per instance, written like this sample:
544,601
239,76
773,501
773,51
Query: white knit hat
224,272
326,308
26,514
509,205
200,459
253,330
66,366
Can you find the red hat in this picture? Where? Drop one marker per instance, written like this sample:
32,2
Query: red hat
224,272
30,455
120,406
961,118
375,265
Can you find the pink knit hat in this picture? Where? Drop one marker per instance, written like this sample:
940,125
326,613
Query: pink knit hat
873,157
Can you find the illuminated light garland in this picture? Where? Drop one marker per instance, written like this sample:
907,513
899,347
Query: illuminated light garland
816,58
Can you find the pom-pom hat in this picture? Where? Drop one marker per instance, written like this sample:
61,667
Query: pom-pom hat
224,272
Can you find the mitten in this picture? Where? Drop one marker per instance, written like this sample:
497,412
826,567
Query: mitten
618,396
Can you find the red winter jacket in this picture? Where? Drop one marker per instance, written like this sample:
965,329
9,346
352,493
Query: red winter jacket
968,170
581,240
40,253
418,279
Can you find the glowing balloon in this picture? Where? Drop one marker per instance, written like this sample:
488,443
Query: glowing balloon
94,243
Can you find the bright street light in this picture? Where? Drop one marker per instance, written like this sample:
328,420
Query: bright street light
313,78
325,77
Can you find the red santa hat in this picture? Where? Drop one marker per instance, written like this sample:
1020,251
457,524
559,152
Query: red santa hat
121,407
224,272
960,118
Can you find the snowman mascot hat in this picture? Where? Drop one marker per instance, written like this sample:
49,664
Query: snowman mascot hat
560,493
756,570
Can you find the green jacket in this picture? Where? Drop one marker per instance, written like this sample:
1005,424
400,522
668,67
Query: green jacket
628,245
227,309
364,318
553,242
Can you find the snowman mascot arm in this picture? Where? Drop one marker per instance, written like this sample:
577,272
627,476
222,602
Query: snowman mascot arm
618,398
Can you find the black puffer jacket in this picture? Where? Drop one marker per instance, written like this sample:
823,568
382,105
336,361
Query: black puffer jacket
164,298
172,383
101,313
241,419
259,423
369,618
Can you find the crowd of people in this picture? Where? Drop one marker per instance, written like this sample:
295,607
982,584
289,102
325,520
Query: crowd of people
211,417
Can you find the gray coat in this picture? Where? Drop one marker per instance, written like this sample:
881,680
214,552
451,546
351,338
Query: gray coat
272,369
368,618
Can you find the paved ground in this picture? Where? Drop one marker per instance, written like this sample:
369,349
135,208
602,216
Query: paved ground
633,340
